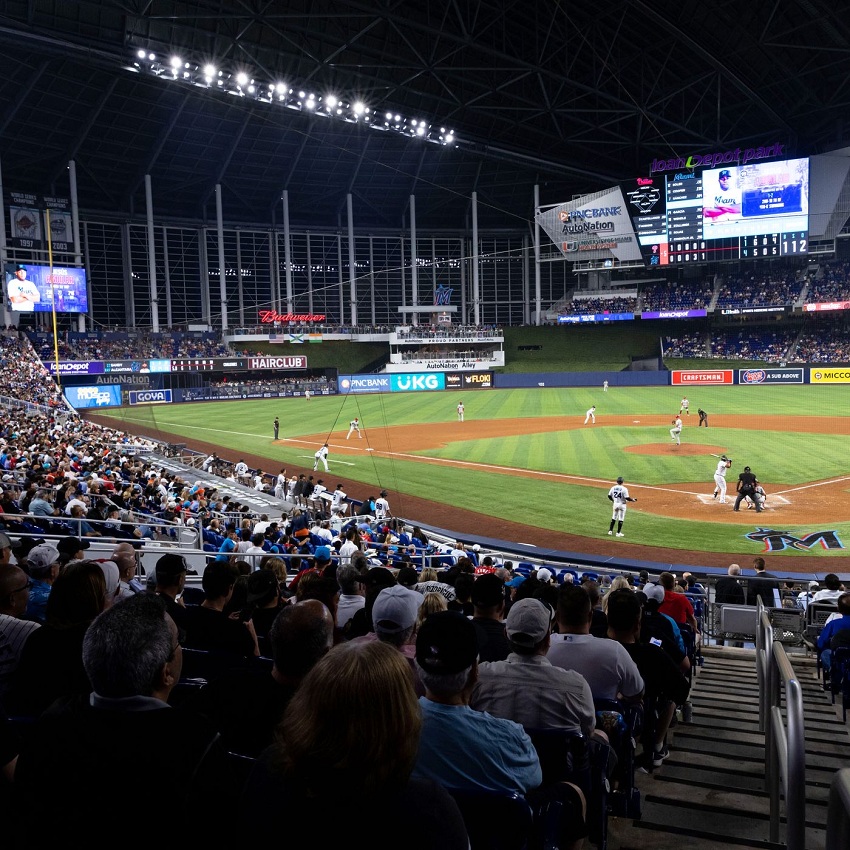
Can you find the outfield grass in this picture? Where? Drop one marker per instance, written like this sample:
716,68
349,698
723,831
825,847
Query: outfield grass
597,452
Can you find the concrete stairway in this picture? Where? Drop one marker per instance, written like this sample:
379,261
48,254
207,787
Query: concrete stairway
711,791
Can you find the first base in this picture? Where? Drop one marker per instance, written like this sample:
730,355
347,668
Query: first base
635,421
370,450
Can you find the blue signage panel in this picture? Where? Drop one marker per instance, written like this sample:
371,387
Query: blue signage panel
417,381
150,396
364,383
770,376
101,396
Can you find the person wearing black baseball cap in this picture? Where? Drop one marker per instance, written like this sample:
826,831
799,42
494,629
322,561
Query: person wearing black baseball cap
72,549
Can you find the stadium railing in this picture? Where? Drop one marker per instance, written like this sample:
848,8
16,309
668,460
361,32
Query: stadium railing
785,746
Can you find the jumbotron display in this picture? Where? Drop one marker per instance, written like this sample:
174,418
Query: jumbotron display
729,213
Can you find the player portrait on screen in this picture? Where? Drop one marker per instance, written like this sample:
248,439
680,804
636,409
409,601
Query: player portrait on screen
722,201
23,293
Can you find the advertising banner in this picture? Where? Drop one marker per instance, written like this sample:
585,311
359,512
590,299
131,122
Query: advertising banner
593,227
277,362
826,305
674,314
770,376
748,311
830,376
364,383
417,382
104,396
469,380
150,396
595,317
39,289
691,377
75,367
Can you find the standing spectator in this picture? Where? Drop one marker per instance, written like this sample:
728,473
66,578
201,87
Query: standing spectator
762,585
727,591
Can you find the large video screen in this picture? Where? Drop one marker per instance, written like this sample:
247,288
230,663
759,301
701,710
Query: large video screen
728,213
33,289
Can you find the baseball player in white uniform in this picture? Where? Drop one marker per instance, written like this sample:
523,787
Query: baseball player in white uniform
685,407
590,416
382,506
720,477
321,455
605,386
676,430
353,426
460,411
619,495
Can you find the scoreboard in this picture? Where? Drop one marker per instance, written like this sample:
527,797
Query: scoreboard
753,211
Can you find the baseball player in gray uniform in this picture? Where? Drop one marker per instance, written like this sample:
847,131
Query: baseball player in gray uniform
619,495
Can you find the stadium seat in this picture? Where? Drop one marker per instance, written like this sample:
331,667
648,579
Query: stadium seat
623,723
495,821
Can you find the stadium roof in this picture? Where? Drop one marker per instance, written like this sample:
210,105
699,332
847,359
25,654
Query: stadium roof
570,96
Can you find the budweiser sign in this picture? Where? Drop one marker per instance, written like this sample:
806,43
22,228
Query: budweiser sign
268,317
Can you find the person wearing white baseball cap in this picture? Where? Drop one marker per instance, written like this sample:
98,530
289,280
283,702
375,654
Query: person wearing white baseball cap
44,566
5,549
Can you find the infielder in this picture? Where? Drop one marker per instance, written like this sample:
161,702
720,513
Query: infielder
685,407
321,455
590,416
353,426
619,495
720,477
676,431
460,411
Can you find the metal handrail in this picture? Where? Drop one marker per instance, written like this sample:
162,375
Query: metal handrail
785,749
838,813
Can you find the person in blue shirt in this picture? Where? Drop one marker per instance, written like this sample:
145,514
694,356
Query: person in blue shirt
831,631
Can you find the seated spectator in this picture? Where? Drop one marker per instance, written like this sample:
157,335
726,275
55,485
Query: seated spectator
835,633
676,604
488,600
43,565
526,688
51,663
246,705
460,748
170,574
605,664
14,629
833,589
97,745
666,687
351,733
208,627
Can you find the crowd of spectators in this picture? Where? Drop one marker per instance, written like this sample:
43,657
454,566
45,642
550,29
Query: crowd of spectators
433,353
591,306
134,346
22,376
767,346
449,331
681,295
767,289
686,346
822,347
830,283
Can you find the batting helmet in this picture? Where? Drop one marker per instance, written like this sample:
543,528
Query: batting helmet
620,480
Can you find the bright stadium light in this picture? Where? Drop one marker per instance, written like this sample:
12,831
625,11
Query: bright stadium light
207,74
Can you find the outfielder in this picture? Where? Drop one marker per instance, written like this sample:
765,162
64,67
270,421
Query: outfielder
619,495
321,455
720,477
590,416
676,431
460,411
353,426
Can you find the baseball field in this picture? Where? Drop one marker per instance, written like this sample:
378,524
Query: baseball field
523,465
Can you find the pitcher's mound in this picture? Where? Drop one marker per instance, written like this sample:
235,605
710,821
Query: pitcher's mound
666,448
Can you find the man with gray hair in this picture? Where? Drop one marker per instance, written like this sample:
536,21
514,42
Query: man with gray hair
124,735
351,595
727,591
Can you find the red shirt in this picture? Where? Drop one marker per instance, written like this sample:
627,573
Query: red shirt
677,606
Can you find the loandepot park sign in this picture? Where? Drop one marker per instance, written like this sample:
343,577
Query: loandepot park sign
593,227
739,156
